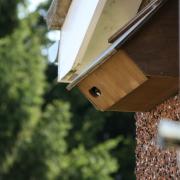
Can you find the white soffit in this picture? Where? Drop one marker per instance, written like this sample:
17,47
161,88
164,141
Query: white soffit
76,32
86,30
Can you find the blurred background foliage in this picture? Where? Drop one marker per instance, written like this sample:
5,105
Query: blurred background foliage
45,131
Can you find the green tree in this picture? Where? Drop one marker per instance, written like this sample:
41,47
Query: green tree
21,87
9,18
49,157
46,132
34,141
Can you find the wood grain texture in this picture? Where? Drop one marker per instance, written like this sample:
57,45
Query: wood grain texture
154,50
155,47
151,93
116,78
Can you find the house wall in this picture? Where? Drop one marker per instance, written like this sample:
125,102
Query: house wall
151,161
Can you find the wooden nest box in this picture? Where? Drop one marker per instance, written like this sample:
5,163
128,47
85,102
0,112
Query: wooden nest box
120,57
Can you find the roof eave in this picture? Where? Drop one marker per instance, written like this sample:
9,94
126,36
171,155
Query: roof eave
57,13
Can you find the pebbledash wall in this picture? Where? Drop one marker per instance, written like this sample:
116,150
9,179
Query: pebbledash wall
151,161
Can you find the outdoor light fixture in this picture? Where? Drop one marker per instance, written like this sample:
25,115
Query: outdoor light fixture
169,136
169,133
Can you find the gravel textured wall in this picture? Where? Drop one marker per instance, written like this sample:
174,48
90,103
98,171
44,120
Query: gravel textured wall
151,161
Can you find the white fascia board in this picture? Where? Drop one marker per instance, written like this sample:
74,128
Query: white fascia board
76,33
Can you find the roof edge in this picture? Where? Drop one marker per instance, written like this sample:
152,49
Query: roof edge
57,13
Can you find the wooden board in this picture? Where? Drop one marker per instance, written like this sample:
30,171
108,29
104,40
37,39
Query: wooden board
115,15
143,73
148,95
155,47
85,33
115,79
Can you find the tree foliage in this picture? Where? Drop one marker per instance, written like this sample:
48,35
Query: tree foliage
46,133
22,84
9,18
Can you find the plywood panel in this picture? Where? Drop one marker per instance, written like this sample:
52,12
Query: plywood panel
116,78
155,47
115,15
83,38
148,95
